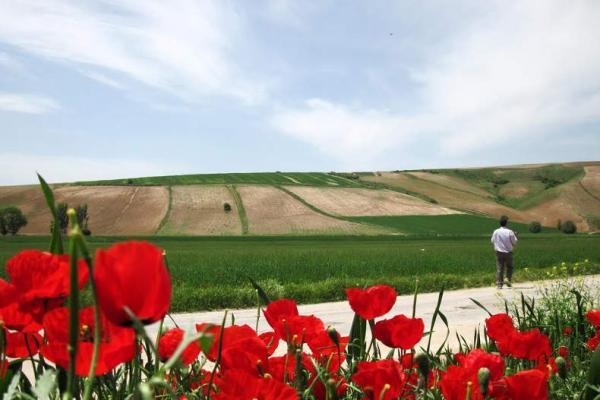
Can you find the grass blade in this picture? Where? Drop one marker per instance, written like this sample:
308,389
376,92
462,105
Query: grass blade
56,246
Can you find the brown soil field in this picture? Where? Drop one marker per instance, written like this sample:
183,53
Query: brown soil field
272,211
198,210
112,210
451,182
591,180
514,190
366,202
451,198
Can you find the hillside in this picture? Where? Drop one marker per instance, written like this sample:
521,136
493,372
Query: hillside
288,203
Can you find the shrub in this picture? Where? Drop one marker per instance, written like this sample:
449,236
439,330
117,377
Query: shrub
226,207
535,227
568,227
12,220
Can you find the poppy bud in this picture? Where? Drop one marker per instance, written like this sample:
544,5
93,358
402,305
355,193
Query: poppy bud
333,335
483,376
561,366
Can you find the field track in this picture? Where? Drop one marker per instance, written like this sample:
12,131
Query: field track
464,316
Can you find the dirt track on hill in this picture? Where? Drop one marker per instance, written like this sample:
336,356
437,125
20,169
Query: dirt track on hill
198,210
366,202
272,211
451,182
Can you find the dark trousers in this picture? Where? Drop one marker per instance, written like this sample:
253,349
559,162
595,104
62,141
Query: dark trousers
503,261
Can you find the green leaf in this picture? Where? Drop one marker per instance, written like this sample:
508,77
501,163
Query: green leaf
261,292
56,246
11,392
45,385
206,341
480,306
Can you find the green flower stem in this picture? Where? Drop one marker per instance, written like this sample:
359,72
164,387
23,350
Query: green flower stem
73,304
219,351
82,246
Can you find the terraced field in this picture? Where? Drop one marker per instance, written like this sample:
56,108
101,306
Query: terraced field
294,203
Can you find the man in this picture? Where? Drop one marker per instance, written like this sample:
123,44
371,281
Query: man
503,240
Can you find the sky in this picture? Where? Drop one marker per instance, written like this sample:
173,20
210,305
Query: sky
125,88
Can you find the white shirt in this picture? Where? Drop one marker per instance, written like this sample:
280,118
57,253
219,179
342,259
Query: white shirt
504,239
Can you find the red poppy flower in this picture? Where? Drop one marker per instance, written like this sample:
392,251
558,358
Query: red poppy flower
22,345
133,275
400,331
372,302
499,326
454,382
382,379
300,328
593,342
8,293
170,341
283,368
594,317
271,340
567,331
529,345
563,351
527,385
279,310
117,344
231,334
14,318
248,354
42,280
322,346
236,384
478,358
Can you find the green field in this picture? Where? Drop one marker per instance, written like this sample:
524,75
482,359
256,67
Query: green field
253,178
456,224
212,273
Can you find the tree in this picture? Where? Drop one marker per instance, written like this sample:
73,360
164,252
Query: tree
81,211
226,207
12,220
63,219
568,227
535,227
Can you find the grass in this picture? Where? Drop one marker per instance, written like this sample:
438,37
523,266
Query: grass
257,178
212,273
539,181
456,224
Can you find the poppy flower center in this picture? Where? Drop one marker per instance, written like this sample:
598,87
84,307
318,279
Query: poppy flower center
86,334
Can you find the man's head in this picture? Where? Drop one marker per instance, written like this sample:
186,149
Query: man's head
503,220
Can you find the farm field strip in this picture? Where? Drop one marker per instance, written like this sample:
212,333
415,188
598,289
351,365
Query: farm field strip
366,202
212,273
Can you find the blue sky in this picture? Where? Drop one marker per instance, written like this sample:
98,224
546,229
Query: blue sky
116,88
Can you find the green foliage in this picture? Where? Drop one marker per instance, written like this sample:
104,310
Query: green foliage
63,219
12,220
226,207
212,273
535,227
568,227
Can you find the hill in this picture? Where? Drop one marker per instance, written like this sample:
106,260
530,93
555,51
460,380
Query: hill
436,201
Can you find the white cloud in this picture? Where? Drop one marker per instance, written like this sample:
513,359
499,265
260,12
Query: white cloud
524,68
27,103
345,132
184,47
17,169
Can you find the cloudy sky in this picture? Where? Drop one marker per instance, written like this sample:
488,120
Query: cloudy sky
120,88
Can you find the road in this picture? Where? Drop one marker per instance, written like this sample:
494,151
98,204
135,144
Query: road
463,315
